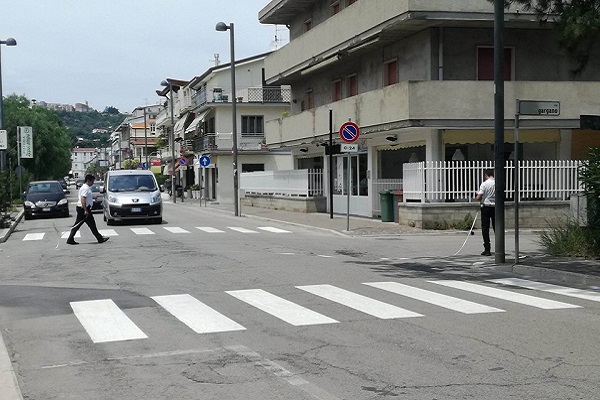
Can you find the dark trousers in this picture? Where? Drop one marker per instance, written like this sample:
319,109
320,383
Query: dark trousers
81,219
487,214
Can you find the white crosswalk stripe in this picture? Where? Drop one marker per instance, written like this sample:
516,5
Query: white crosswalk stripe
546,287
34,236
241,230
359,302
506,295
176,229
108,232
441,300
273,229
142,231
197,315
285,310
209,229
65,235
105,322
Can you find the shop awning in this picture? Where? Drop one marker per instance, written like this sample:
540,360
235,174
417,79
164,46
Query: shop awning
179,127
197,120
402,145
487,136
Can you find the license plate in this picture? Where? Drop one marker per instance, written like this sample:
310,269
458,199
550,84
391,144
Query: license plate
46,209
136,210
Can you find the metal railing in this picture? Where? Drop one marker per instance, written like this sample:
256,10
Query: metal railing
299,183
269,94
460,180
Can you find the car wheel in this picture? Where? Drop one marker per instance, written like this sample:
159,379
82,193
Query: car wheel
27,217
110,222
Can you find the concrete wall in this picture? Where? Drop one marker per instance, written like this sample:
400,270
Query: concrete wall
297,204
532,214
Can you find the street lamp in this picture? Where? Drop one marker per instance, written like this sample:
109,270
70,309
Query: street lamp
222,27
172,139
146,139
8,42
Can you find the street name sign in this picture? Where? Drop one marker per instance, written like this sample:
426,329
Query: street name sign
534,107
26,140
3,140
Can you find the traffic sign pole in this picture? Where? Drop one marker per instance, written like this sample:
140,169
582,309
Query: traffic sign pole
349,133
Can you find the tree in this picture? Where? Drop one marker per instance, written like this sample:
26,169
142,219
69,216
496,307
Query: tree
51,143
577,22
590,177
111,110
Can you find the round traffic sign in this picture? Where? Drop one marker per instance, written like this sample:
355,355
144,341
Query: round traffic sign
349,132
205,161
183,161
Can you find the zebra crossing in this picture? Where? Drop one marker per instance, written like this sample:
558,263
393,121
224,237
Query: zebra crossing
36,236
105,322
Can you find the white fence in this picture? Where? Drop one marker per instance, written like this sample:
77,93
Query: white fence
379,185
299,182
460,180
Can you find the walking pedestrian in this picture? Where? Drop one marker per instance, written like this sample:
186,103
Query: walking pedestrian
487,198
84,212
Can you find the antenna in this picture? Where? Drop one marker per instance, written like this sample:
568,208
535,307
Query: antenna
216,60
277,42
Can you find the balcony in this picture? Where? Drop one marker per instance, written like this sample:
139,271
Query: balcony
437,104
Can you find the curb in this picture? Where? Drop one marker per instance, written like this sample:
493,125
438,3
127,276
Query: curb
8,231
547,274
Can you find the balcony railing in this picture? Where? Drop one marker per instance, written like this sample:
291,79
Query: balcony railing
269,95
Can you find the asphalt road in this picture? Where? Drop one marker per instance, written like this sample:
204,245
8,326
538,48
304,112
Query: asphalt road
212,306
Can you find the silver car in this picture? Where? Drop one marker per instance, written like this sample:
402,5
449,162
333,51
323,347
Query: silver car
131,195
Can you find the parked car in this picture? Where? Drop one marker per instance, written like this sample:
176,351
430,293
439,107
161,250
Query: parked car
98,195
131,195
45,198
63,184
79,183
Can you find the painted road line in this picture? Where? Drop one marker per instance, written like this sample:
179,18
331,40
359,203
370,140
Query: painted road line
241,230
142,231
108,232
285,310
546,287
209,229
359,302
65,235
176,229
105,322
273,229
197,315
441,300
506,295
34,236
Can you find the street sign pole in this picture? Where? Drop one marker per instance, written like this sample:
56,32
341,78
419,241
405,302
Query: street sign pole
517,183
349,133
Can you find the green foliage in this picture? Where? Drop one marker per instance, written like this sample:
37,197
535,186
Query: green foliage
51,143
570,240
590,177
464,225
80,126
111,110
130,163
578,24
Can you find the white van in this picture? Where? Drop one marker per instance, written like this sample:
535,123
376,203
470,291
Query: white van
131,195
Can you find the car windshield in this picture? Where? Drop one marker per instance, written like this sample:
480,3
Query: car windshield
48,187
131,183
96,186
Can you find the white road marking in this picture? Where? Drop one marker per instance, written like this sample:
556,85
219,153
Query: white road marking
506,295
34,236
209,229
105,322
176,229
273,229
546,287
65,235
142,231
441,300
285,310
197,315
324,256
241,230
108,232
359,302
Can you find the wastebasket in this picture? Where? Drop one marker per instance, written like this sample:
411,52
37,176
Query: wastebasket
398,198
387,207
179,191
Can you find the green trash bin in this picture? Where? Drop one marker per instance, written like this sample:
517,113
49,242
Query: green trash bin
387,206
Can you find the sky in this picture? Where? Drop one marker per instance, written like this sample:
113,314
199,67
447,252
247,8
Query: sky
116,52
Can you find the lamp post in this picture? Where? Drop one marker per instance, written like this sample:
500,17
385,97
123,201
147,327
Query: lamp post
172,139
222,27
146,139
8,42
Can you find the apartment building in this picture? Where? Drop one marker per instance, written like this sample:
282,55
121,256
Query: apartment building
417,77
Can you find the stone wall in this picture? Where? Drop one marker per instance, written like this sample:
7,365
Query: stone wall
297,204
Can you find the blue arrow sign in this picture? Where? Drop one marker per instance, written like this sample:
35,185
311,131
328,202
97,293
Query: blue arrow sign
205,161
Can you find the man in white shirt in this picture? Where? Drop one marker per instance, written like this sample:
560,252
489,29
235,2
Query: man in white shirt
84,212
487,197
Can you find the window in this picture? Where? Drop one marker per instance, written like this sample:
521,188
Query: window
336,90
390,70
335,7
153,128
485,64
351,85
307,25
309,101
253,125
252,167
